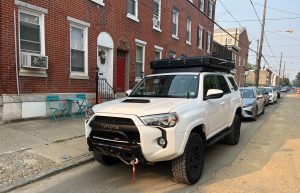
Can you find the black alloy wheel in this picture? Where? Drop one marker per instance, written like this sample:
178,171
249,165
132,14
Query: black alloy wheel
188,167
234,136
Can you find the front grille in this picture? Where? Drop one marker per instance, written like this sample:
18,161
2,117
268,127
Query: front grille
115,128
248,112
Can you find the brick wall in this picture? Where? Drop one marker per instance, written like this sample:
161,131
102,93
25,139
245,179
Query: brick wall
110,18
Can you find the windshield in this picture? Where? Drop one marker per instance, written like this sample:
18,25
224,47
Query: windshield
270,90
247,93
178,86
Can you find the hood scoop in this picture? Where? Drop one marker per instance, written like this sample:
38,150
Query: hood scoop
136,101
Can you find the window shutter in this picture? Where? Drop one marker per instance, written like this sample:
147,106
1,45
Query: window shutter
198,31
203,40
206,40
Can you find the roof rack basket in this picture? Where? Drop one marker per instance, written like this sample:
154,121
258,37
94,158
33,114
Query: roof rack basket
192,64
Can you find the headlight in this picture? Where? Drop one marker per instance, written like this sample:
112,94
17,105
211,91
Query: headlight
89,113
162,120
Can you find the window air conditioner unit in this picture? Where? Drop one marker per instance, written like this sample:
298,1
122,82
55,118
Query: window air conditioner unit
30,60
156,22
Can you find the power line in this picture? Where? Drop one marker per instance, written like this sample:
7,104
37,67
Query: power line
264,34
270,19
280,10
234,17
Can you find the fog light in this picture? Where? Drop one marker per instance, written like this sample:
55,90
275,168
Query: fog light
162,142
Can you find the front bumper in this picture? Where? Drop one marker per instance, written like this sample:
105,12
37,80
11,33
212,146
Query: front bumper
146,148
248,112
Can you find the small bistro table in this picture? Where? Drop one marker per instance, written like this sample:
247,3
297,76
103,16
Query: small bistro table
70,101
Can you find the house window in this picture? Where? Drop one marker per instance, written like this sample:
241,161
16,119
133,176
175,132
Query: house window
100,2
208,42
156,14
157,52
188,31
200,37
31,33
140,59
175,24
132,10
201,5
172,54
228,41
77,49
210,9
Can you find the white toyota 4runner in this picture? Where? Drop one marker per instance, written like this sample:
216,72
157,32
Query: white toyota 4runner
173,114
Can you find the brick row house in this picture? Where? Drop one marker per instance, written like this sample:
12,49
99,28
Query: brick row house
239,48
54,47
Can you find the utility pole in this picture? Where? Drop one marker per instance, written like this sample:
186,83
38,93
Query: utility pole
258,61
280,68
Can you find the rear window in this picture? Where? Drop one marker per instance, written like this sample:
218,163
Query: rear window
223,84
232,81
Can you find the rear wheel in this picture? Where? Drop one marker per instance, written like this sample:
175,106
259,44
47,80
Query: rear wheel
234,136
188,167
105,160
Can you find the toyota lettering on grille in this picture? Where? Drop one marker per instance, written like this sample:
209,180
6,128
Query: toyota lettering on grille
109,126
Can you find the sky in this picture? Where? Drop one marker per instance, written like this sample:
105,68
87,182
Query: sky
281,16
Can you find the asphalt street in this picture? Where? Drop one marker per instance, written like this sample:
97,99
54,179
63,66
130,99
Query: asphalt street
95,178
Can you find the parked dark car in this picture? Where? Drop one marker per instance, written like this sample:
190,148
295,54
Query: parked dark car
263,91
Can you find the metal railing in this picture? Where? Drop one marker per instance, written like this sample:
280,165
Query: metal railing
105,90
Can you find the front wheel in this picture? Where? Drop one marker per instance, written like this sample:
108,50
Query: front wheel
188,167
234,136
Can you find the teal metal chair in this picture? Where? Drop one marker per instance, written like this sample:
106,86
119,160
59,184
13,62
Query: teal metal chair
56,108
83,105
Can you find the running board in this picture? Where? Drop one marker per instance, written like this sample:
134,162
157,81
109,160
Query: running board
218,137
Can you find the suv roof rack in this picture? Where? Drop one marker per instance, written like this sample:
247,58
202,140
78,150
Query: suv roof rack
192,64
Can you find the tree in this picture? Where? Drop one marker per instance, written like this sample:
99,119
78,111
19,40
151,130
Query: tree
298,79
286,82
250,66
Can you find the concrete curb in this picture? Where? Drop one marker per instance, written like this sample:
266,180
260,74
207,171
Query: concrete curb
84,159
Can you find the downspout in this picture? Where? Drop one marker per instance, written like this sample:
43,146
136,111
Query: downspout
16,53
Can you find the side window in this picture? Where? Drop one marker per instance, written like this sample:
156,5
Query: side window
232,81
223,84
209,83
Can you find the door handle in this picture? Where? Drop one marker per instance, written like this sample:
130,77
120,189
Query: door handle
222,103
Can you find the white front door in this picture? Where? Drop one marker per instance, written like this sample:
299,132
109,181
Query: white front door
105,63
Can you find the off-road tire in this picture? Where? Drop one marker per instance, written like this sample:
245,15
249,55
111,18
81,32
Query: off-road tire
234,136
105,160
188,167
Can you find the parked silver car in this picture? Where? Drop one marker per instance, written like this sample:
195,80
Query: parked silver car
263,91
273,94
253,103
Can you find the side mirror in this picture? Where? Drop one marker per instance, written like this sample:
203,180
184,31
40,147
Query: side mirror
128,92
213,94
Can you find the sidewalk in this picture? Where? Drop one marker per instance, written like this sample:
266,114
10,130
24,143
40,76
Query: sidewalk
31,150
